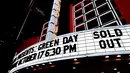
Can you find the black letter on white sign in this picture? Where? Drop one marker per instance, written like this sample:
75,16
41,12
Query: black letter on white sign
110,43
103,34
66,48
102,44
58,50
110,35
118,32
117,40
96,36
72,48
65,40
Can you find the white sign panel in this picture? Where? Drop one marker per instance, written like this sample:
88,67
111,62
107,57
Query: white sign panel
94,42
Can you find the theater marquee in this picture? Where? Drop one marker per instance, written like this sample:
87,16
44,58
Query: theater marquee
94,42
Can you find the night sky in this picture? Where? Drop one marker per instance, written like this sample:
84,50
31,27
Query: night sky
14,12
13,15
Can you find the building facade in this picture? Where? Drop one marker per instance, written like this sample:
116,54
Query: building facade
102,13
97,42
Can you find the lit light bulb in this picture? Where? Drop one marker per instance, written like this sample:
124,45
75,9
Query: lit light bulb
27,68
75,59
43,64
50,63
106,56
115,68
74,67
118,56
31,66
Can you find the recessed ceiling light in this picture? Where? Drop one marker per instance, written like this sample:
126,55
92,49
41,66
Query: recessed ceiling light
27,68
118,56
43,64
75,59
31,66
115,68
50,63
74,67
106,56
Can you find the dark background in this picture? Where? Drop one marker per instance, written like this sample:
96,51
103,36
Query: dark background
13,15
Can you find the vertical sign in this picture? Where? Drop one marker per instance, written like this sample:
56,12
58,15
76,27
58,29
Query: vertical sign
53,23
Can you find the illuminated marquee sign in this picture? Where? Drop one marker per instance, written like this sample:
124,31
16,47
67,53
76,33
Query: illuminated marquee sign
94,42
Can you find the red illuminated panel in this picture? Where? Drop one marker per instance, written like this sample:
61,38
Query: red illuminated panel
71,18
124,7
27,43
